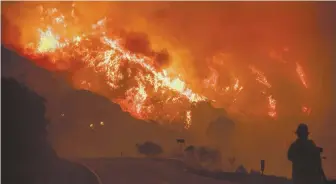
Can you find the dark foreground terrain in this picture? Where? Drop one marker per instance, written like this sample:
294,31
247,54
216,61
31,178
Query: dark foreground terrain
166,171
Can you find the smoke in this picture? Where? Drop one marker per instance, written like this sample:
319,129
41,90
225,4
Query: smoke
194,39
139,43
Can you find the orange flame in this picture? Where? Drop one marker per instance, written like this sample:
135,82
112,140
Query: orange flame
188,120
301,75
261,78
133,80
272,106
106,56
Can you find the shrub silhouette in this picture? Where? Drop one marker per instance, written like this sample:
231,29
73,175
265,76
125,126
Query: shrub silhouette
207,154
149,149
190,148
203,155
241,169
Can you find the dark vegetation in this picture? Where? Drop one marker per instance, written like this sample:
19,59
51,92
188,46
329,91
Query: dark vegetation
26,155
242,178
204,154
149,149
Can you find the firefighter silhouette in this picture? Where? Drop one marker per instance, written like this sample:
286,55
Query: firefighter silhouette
305,158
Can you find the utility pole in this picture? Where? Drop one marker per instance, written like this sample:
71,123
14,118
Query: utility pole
262,167
181,142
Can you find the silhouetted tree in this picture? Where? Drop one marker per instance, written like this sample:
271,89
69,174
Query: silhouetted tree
26,155
191,157
149,149
190,152
241,169
207,154
203,155
189,148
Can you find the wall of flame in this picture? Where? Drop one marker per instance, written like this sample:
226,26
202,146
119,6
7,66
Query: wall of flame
112,61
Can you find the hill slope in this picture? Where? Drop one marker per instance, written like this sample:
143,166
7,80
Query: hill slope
144,170
167,171
71,112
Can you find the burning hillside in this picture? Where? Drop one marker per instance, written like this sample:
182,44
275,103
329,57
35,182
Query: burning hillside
134,80
122,66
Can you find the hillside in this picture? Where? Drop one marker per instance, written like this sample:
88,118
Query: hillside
149,171
166,171
77,114
91,125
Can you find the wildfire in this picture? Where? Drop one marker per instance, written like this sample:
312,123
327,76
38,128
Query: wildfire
188,120
133,80
306,110
105,55
48,41
261,78
236,86
301,75
211,81
232,89
272,106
